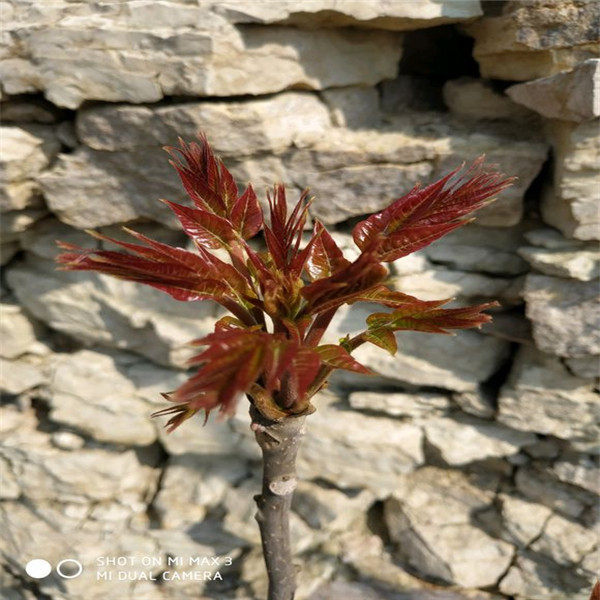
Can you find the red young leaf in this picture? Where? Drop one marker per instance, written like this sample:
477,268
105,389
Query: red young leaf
346,284
426,214
246,215
204,227
338,358
325,257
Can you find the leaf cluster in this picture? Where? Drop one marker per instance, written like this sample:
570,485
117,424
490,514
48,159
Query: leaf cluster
282,290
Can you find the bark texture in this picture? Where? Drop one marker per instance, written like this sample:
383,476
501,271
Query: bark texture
279,442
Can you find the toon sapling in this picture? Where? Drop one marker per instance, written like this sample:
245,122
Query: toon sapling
281,300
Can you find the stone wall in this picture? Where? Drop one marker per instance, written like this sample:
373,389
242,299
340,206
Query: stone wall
468,464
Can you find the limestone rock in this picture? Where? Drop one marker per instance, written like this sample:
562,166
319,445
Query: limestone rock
17,376
90,392
378,14
235,128
478,403
430,517
571,205
438,283
329,509
482,249
463,440
357,172
523,42
562,257
456,363
192,484
541,395
16,330
353,107
565,315
570,96
98,309
580,471
536,482
476,99
564,541
398,404
46,473
362,451
79,52
522,520
533,577
584,366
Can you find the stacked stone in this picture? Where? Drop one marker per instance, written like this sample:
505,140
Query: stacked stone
468,461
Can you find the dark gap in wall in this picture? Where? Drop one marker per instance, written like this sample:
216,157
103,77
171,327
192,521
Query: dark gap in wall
440,53
533,194
493,384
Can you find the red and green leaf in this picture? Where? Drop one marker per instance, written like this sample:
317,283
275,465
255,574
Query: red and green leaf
426,214
338,358
325,257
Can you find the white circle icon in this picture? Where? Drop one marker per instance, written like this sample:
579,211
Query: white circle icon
68,574
38,568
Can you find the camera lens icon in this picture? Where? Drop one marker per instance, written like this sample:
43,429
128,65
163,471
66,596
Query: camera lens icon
68,568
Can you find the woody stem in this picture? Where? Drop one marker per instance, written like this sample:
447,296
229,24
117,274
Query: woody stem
279,442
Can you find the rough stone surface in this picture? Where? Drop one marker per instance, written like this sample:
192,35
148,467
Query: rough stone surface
99,309
571,204
565,315
377,15
119,54
523,41
576,262
461,441
476,99
571,96
399,404
454,363
522,520
457,552
541,395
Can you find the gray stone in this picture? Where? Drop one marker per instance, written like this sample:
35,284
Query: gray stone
476,99
354,107
430,517
538,484
17,376
521,43
482,249
463,440
191,485
17,331
564,541
399,404
46,473
329,509
581,471
476,403
522,520
565,315
76,53
438,283
567,96
584,366
571,204
541,395
377,14
98,309
534,577
90,392
452,362
576,263
236,128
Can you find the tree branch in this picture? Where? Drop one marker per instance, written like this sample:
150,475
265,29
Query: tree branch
279,442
